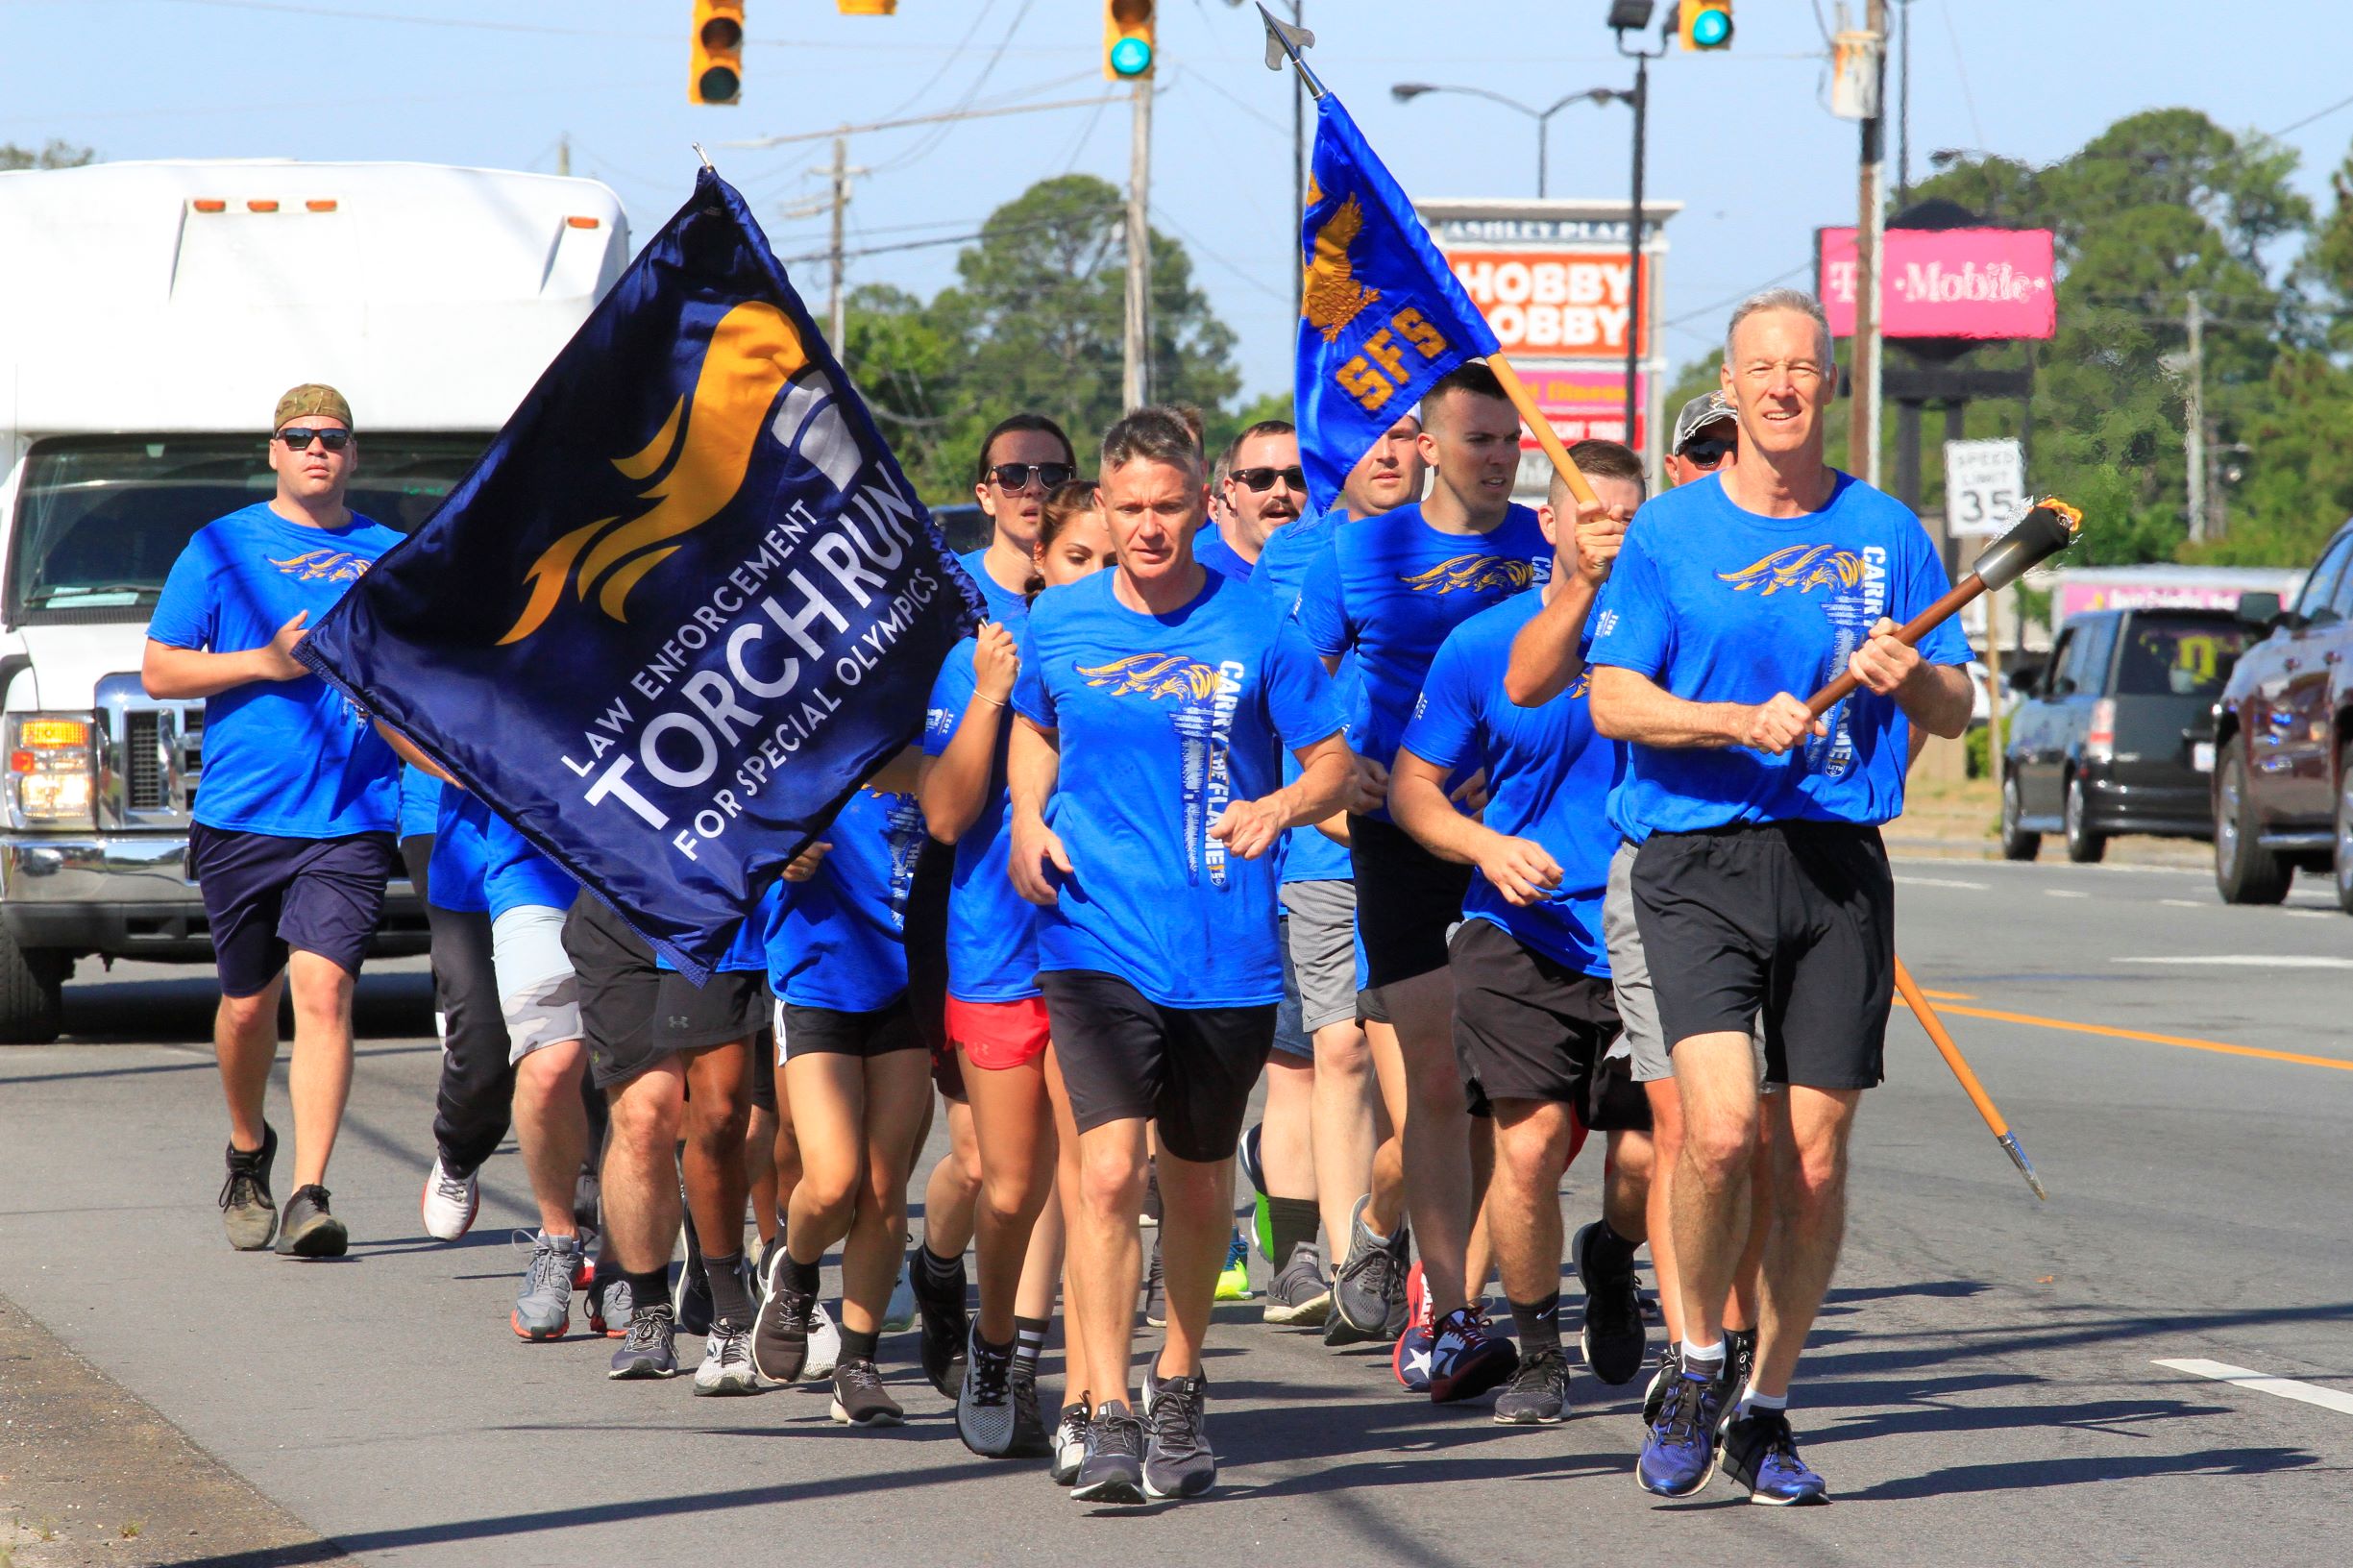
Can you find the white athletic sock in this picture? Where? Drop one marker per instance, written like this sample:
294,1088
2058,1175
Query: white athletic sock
1709,1357
1751,1400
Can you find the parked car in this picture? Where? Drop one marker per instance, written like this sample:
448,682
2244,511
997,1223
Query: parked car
2282,796
2112,730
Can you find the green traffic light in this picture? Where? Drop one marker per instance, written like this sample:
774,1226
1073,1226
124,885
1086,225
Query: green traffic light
1131,57
1711,29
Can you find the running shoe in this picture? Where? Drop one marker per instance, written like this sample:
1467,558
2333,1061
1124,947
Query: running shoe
825,1344
1467,1358
1300,1293
1030,1438
780,1329
1680,1452
899,1316
1262,1213
609,1300
1155,1290
308,1228
1411,1359
649,1349
1361,1290
248,1211
1739,1363
984,1405
727,1363
1760,1456
588,1200
1177,1459
1612,1338
1151,1198
449,1202
543,1307
858,1398
1113,1470
1654,1397
940,1307
1538,1394
690,1296
1069,1444
1234,1280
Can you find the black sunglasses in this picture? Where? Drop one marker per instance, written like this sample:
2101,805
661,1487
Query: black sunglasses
1263,479
299,439
1012,477
1708,451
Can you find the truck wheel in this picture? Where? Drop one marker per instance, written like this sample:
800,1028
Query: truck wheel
2245,871
31,1001
2342,873
2083,846
2017,844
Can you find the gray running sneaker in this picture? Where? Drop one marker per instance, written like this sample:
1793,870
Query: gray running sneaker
648,1350
825,1344
1113,1469
985,1414
727,1363
1360,1290
543,1307
1178,1460
248,1211
610,1299
1538,1392
1156,1290
308,1228
1069,1444
899,1316
858,1398
1300,1293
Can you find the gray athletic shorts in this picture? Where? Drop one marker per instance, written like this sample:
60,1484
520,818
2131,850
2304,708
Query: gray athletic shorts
1629,974
537,989
1323,950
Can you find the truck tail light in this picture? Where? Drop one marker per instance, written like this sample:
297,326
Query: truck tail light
51,769
2099,743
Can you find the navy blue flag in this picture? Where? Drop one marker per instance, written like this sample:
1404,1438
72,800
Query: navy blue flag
1382,318
681,608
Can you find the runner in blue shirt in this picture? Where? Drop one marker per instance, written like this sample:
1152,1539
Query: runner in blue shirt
1760,883
1154,701
1534,1020
292,843
1392,590
996,1022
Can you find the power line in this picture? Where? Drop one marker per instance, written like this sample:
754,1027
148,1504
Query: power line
2316,114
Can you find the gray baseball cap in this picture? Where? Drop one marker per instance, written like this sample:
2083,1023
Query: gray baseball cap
1698,414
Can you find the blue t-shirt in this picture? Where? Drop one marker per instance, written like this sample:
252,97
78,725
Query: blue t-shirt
1164,721
992,930
420,803
454,876
1008,607
1549,775
1392,587
515,875
1210,550
1718,604
289,758
1284,560
834,941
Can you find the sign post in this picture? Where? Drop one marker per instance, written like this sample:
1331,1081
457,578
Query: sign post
1985,491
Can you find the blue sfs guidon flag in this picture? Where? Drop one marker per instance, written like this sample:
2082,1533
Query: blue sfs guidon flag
1382,318
681,608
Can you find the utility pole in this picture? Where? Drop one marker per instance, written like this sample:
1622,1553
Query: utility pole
837,303
1903,113
1863,445
563,153
1135,388
1634,248
2194,439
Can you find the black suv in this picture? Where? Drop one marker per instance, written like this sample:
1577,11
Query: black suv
2113,729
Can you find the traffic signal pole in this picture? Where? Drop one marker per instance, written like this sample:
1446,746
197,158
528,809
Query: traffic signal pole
1135,385
1863,431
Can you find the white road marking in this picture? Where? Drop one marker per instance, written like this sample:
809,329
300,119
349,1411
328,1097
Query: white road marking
2312,914
1937,882
2064,893
2328,1399
2249,961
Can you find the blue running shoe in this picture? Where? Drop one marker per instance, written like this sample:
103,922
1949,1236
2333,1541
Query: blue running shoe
1467,1358
1680,1454
1760,1455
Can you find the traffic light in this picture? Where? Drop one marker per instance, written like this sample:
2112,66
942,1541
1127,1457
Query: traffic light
1706,24
715,54
1128,51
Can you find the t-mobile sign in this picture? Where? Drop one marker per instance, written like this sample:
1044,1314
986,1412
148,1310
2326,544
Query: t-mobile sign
1947,282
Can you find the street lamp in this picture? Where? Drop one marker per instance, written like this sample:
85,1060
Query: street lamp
1404,92
1633,16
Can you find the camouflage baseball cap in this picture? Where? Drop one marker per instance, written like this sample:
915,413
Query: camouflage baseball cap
311,399
1698,414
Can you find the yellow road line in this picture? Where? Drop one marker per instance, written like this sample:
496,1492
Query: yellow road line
2112,1033
1949,995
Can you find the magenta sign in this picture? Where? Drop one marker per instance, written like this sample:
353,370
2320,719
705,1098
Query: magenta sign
1947,282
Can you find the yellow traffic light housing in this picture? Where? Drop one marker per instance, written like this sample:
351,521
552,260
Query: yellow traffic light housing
1129,51
715,54
1706,24
867,8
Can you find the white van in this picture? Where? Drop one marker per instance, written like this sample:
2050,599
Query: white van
150,316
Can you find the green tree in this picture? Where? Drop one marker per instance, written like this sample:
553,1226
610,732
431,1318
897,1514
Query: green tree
54,155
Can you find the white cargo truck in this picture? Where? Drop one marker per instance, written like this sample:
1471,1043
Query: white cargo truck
150,316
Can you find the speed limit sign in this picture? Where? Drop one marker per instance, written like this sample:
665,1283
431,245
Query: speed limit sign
1985,486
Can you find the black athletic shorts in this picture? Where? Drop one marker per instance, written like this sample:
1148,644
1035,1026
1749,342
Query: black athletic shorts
763,1072
1793,919
1123,1055
1406,900
265,896
809,1031
1529,1027
633,1014
925,934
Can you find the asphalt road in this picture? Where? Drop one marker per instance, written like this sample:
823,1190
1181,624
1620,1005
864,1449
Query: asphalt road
1984,1388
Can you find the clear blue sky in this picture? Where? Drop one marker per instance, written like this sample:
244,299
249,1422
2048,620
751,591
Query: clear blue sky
1742,137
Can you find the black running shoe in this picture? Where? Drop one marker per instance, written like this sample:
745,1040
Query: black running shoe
248,1211
1538,1394
1739,1363
985,1416
1155,1290
858,1398
941,1309
780,1329
1654,1397
1612,1339
1178,1460
1030,1438
1113,1470
691,1298
588,1200
309,1230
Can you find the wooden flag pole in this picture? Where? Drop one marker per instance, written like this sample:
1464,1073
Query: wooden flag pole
1942,1038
